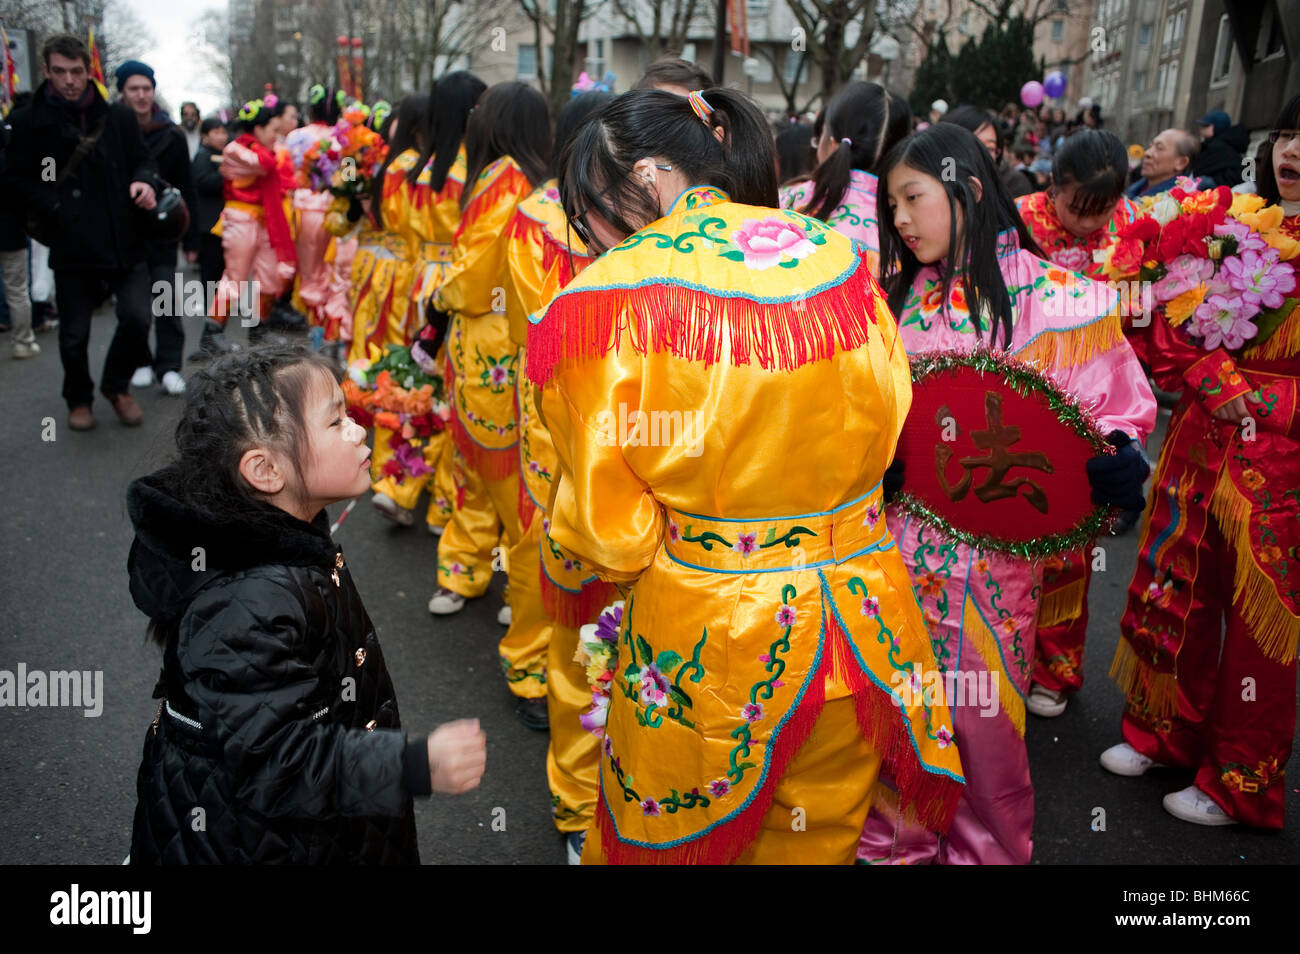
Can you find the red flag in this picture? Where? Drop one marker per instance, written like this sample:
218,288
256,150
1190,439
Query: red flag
96,69
345,68
358,69
739,20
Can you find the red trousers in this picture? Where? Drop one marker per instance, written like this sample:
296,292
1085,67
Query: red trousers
1058,654
1234,717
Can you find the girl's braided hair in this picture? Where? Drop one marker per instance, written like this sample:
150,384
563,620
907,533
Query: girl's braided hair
245,399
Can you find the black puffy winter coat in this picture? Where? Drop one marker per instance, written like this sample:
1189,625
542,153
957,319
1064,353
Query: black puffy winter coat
277,738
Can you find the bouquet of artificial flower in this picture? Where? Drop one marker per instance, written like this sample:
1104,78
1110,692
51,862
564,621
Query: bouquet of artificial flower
394,393
598,654
1218,264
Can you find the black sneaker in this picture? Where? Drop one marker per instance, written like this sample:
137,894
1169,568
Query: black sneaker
212,343
287,318
532,713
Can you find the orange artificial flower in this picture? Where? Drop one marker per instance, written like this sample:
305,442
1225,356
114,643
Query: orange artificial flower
1252,478
1180,309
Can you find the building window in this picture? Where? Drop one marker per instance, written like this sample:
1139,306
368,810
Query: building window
527,61
1222,52
1270,35
1144,35
596,63
1139,80
792,60
1058,30
688,52
756,8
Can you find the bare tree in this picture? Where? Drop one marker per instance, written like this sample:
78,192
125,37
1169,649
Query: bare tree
210,47
562,19
660,25
827,26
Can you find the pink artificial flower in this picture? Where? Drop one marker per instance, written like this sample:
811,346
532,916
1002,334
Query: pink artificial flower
1220,320
650,807
1262,279
1247,238
719,788
1182,275
654,686
765,242
674,532
943,737
498,374
753,711
785,616
872,517
871,607
746,543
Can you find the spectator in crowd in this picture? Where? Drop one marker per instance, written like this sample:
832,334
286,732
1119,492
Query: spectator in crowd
675,75
987,130
1169,156
90,216
13,261
190,124
795,152
166,143
1222,148
211,197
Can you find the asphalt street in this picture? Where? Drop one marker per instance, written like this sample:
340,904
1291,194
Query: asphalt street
67,781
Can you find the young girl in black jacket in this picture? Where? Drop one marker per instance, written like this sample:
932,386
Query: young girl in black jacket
277,737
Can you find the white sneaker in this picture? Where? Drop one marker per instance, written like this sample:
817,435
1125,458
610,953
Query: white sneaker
389,508
26,349
173,383
142,378
1045,702
1123,759
436,531
1193,805
504,616
445,603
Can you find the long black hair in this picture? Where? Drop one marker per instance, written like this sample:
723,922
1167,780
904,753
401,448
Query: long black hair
1265,180
595,169
259,115
952,155
576,112
1096,163
410,120
872,120
451,101
321,106
512,120
795,157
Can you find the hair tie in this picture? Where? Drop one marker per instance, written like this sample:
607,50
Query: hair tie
248,112
847,142
316,94
701,106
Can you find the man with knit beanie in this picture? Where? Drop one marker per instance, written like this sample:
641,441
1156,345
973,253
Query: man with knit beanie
166,143
89,218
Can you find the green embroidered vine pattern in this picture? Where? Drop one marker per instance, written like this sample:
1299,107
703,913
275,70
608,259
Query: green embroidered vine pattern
1265,399
776,666
1017,645
682,243
884,635
792,538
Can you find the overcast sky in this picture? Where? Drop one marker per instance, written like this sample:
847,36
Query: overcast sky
178,74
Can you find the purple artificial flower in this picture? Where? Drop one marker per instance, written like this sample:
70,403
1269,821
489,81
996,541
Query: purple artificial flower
609,621
785,616
1221,320
593,720
1182,275
1262,279
498,374
753,711
412,461
746,544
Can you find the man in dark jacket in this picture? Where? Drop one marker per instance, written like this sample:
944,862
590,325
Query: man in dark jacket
97,248
1222,146
14,261
209,188
166,143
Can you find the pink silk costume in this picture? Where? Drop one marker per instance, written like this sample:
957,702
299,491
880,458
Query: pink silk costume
981,606
855,216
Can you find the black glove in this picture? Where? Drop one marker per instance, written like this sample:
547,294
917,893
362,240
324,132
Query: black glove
1117,478
893,479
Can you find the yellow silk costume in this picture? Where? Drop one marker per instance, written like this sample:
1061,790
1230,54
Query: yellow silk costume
481,366
551,594
724,390
384,269
430,220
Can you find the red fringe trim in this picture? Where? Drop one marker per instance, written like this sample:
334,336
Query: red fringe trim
554,249
699,326
576,609
932,797
526,506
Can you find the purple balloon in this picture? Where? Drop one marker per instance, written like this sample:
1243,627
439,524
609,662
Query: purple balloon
1054,84
1031,94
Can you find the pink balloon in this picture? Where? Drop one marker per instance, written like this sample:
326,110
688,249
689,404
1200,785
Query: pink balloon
1031,94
